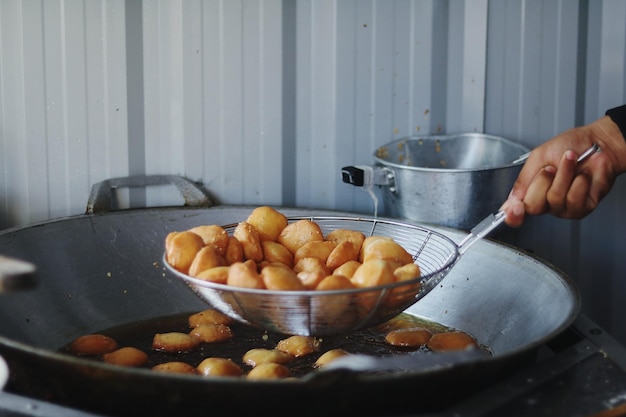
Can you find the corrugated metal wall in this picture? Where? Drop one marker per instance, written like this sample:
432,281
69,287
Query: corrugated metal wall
265,100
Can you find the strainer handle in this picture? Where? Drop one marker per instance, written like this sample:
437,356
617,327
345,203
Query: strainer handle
481,230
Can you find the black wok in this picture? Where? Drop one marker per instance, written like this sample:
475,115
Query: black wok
100,270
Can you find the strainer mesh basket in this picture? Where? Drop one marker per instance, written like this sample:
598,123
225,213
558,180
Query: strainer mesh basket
318,313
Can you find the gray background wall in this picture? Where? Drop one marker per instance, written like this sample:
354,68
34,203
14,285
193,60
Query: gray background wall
263,101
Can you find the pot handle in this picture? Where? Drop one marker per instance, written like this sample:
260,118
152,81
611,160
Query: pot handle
364,176
100,196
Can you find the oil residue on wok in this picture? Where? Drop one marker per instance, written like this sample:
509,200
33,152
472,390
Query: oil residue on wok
368,342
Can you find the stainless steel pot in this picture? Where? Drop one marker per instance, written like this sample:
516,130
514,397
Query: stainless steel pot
102,270
448,180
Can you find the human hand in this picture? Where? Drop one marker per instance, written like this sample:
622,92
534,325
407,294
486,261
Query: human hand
553,182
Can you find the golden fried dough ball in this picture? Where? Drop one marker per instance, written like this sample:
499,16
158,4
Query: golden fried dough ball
407,272
174,342
213,235
250,241
311,271
298,346
454,340
268,221
219,367
175,367
319,249
275,252
206,258
234,251
241,275
311,279
331,307
268,371
379,247
181,249
347,269
208,316
93,344
211,332
311,265
298,233
409,337
372,273
217,274
343,252
281,278
259,356
126,356
329,356
346,235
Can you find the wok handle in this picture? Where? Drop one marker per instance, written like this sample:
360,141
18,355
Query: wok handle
100,196
16,274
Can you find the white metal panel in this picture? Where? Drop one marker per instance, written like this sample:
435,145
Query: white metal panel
213,95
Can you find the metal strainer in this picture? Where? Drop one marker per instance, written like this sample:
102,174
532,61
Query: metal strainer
319,313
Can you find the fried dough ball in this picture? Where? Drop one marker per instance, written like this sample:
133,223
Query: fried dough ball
372,273
347,269
346,235
311,271
268,371
92,344
241,275
275,252
175,367
379,247
319,249
250,241
259,356
281,278
407,272
268,221
208,316
234,251
298,346
454,340
311,279
211,332
329,356
214,236
311,265
407,292
181,249
219,367
217,274
206,258
343,252
410,337
331,307
174,342
296,234
126,356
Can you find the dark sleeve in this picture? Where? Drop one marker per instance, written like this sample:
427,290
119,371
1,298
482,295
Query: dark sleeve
618,115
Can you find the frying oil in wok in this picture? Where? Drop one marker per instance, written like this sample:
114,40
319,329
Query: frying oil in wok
370,341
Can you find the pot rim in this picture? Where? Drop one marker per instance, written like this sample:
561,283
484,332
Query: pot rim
514,163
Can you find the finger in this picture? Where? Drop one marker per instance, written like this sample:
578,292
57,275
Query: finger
535,200
577,203
514,210
559,190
